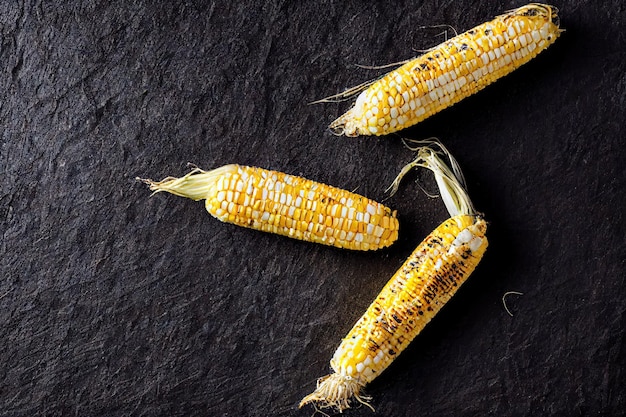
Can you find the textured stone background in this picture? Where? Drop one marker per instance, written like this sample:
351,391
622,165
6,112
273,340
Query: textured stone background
113,303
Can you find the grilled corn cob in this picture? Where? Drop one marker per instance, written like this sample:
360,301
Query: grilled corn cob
287,205
450,72
417,291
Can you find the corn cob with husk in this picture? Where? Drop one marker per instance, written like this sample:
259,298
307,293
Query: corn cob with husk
449,72
287,205
427,280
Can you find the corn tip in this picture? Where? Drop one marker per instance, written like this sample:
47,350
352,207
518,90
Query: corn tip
336,391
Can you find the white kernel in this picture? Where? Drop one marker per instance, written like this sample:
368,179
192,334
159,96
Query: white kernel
463,237
292,210
239,186
398,79
391,101
344,212
283,198
358,237
221,195
373,129
523,40
438,264
265,217
475,243
544,31
229,195
536,36
442,80
393,113
360,367
485,58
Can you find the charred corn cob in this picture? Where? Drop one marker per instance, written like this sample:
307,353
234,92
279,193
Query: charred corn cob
450,72
287,205
417,291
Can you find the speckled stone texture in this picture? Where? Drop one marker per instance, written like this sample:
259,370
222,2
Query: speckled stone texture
115,303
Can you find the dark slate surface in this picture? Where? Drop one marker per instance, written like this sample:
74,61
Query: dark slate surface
113,303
